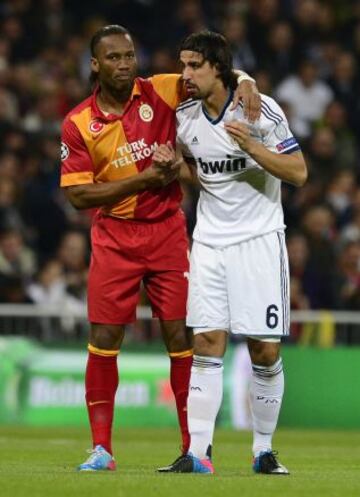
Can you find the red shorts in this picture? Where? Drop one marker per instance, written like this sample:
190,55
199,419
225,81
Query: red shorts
124,253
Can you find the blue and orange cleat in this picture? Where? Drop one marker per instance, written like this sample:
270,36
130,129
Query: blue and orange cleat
99,460
189,464
267,463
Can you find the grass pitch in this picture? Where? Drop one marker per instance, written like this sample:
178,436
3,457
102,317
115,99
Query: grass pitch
39,462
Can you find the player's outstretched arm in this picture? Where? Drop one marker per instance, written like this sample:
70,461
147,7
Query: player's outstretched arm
287,167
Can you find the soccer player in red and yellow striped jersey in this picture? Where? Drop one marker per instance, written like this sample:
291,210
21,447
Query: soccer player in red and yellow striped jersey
138,232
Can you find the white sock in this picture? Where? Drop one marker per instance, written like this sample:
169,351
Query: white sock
240,385
204,401
266,394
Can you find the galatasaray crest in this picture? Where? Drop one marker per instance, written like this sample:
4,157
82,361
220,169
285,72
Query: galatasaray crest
146,113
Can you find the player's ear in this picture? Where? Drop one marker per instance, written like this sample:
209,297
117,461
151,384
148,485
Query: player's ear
94,65
217,69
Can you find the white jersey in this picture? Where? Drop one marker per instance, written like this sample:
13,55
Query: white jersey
238,200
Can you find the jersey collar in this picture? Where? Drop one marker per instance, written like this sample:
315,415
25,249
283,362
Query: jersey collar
97,113
216,120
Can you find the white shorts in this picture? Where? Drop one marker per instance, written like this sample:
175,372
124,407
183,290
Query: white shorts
242,288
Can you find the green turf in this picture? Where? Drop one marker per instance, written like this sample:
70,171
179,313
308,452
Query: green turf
37,462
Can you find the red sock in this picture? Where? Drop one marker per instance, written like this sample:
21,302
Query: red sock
180,379
101,381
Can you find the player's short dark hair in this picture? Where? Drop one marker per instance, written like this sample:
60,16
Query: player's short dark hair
111,29
216,50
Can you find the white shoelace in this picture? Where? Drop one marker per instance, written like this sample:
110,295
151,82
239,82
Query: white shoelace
93,453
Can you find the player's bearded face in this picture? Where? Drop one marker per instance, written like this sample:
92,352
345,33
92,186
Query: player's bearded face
116,63
198,75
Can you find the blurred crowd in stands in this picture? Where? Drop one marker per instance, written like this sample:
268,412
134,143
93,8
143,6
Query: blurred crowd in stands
305,53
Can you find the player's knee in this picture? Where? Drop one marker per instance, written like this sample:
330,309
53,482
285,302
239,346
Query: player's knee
264,353
179,342
266,357
106,337
208,344
177,338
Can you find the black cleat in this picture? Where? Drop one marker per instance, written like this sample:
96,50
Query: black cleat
188,464
267,463
169,468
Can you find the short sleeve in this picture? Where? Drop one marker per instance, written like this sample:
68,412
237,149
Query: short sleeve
76,164
275,129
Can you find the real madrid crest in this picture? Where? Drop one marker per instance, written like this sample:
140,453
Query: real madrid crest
280,131
146,113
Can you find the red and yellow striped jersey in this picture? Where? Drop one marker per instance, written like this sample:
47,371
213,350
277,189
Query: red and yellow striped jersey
97,148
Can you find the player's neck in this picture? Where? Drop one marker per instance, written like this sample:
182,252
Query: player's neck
113,101
215,102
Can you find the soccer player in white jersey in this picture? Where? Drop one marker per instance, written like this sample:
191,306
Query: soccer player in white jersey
239,278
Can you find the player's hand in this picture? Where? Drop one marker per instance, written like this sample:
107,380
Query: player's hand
240,132
157,177
164,155
247,92
164,169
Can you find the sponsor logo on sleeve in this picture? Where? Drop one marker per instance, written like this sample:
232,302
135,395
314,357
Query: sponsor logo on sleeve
284,145
64,151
